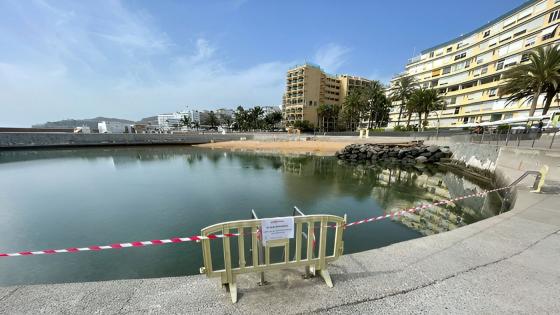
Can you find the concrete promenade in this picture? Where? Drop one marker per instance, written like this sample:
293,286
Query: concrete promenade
505,264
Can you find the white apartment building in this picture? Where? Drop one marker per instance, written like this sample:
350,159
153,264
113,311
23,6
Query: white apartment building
467,71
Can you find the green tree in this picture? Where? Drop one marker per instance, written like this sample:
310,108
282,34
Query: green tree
256,117
212,119
273,119
401,92
328,116
226,120
527,81
376,103
186,121
304,125
423,101
241,119
352,108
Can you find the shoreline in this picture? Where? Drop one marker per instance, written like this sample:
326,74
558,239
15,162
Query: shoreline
314,147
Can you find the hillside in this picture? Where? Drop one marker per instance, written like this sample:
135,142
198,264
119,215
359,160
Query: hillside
72,123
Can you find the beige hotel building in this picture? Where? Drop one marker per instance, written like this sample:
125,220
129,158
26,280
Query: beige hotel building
308,86
467,70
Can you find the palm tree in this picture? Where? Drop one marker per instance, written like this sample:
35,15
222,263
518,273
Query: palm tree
424,101
527,81
328,113
272,119
376,102
186,121
401,92
212,119
353,104
255,116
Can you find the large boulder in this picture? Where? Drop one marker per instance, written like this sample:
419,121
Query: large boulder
421,159
433,148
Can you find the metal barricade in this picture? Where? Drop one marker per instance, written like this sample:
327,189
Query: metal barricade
259,263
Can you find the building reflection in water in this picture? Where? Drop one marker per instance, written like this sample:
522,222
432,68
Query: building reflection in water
393,187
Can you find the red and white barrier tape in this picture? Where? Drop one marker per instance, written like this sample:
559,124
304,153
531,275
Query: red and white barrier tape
216,236
122,245
422,207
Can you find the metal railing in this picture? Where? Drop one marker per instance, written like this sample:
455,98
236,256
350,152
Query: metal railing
533,139
537,185
261,262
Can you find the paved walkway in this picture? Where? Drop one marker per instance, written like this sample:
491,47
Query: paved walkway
505,264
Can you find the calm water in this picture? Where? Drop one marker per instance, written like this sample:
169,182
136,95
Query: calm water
52,199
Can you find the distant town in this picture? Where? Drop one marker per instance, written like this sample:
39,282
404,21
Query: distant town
220,120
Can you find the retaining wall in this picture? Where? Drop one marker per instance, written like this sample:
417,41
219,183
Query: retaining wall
29,140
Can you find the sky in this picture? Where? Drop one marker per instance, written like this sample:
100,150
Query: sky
136,58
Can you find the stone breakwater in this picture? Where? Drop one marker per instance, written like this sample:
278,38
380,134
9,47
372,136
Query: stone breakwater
410,154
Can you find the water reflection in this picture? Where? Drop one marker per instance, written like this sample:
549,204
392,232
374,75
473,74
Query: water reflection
107,195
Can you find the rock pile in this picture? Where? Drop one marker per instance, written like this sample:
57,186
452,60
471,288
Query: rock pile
393,153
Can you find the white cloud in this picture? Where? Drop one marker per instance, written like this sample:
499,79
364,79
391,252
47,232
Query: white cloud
331,56
100,59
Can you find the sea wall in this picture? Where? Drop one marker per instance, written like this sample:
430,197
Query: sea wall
32,140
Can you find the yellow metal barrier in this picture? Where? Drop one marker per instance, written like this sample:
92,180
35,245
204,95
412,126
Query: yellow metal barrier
251,228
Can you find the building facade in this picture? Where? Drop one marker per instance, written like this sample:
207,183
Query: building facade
173,120
467,71
308,86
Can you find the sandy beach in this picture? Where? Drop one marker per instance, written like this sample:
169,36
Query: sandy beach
320,147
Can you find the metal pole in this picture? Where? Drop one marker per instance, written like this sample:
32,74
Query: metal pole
534,138
552,141
518,140
482,138
507,137
260,249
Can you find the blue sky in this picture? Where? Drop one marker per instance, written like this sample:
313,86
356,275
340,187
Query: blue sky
132,59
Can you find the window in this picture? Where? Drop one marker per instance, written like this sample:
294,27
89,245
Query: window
515,46
540,6
449,49
452,101
525,13
549,32
511,61
500,64
519,32
486,34
474,96
509,21
505,36
554,15
484,57
431,54
460,56
530,41
447,70
524,57
456,110
492,92
480,71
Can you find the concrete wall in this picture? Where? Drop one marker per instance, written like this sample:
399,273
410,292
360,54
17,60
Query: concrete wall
481,156
515,161
24,140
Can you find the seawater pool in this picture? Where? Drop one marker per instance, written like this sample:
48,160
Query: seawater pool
60,198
